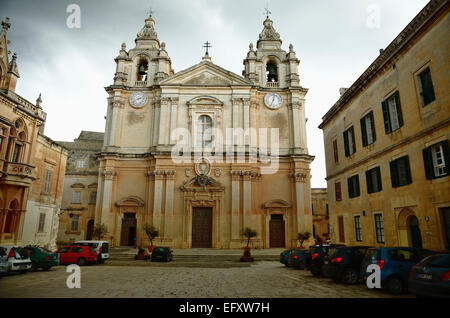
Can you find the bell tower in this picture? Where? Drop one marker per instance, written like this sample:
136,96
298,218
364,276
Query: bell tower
147,63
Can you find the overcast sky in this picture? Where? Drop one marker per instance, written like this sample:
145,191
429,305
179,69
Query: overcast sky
335,40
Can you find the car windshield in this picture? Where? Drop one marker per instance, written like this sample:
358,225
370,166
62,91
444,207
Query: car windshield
44,250
94,245
436,261
372,253
334,250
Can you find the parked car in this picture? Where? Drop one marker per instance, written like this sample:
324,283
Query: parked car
41,258
162,253
431,277
299,259
4,267
345,264
284,256
101,248
395,264
81,255
17,259
319,254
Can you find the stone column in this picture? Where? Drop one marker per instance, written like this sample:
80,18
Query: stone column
156,120
247,139
300,183
247,197
108,175
163,121
157,198
116,105
294,107
169,217
173,118
235,205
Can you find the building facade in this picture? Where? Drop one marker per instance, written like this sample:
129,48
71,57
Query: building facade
31,164
80,188
230,176
387,143
320,214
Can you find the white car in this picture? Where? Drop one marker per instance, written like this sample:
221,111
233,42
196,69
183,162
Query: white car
17,258
100,247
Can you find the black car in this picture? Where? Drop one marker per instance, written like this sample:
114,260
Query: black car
320,254
431,277
163,254
299,259
345,264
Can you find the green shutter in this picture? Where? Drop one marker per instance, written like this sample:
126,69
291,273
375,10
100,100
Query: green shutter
394,173
446,149
350,188
380,184
353,139
408,170
372,123
358,192
428,161
399,108
387,120
363,131
346,146
369,182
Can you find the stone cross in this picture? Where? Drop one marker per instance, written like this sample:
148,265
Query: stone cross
207,45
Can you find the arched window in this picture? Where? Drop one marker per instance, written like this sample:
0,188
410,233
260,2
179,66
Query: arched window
8,222
272,72
142,70
204,131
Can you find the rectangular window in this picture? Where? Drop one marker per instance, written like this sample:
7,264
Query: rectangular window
341,229
80,164
16,152
368,130
93,197
349,142
335,151
426,89
353,187
358,228
400,172
437,160
392,113
327,211
41,222
338,192
74,223
373,180
379,228
48,181
77,197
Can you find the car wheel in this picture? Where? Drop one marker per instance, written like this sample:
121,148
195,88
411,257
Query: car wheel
81,261
394,285
34,268
46,268
23,272
350,277
315,271
302,265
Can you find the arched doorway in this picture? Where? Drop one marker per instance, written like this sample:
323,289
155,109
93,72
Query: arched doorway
414,234
128,234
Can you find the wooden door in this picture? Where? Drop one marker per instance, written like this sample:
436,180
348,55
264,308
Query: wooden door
277,231
90,230
128,230
202,227
341,229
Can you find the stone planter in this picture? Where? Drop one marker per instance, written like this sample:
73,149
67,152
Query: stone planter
247,257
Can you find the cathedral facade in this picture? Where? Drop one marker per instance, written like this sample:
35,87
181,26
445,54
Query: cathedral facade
204,153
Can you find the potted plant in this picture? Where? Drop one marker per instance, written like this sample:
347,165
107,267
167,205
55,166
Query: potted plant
152,232
303,236
249,234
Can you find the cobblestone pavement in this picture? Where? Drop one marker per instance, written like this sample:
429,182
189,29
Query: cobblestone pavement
264,279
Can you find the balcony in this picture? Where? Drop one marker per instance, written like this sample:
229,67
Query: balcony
140,83
273,84
20,174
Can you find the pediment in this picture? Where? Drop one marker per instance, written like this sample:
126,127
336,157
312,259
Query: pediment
205,74
131,201
192,185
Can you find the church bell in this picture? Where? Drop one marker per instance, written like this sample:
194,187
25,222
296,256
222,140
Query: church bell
142,70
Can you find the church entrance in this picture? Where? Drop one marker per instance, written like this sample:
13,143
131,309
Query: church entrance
128,229
202,227
414,232
277,228
90,230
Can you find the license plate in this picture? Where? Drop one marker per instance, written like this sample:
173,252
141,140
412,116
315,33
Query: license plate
425,276
326,262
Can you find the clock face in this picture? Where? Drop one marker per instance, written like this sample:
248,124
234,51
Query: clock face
273,100
138,99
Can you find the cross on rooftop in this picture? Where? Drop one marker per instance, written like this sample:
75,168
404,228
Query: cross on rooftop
207,45
150,12
266,10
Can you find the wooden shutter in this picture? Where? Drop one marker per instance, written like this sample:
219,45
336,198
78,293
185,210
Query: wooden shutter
341,229
353,140
386,118
346,145
394,174
350,187
380,184
428,162
337,188
446,150
369,181
408,170
372,123
399,108
335,150
356,186
363,131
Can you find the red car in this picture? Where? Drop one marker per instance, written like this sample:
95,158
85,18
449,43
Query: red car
80,255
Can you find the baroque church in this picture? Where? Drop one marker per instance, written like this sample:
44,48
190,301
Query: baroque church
257,177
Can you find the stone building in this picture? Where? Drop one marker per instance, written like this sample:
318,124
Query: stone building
80,188
228,179
31,164
386,142
320,213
